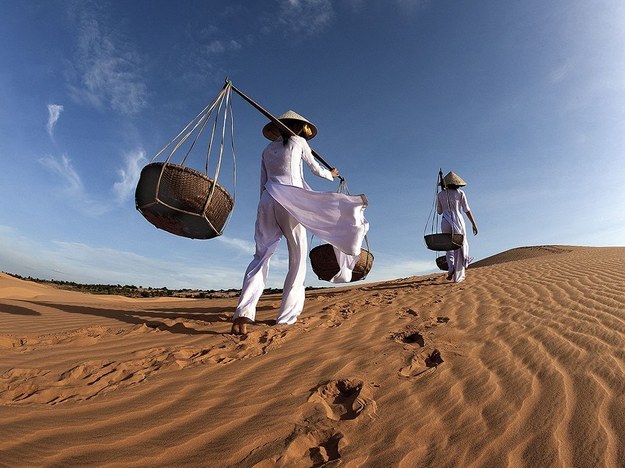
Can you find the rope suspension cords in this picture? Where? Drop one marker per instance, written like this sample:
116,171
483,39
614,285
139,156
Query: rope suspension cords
437,240
191,203
323,257
185,201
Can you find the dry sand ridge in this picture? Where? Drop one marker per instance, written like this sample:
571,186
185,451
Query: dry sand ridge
523,364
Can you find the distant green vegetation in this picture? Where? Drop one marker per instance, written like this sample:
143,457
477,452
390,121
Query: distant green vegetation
139,291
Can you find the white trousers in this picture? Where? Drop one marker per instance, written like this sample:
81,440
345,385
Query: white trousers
457,260
273,222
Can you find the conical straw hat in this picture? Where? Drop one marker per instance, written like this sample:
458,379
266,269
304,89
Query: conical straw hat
454,179
271,131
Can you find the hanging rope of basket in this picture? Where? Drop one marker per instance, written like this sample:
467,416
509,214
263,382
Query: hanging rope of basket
323,257
182,200
191,203
436,240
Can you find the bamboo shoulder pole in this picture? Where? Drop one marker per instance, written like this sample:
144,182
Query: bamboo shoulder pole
277,122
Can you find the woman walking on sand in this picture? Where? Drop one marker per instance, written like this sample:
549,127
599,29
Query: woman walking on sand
451,201
287,207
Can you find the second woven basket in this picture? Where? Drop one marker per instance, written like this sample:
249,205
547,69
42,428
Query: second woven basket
325,266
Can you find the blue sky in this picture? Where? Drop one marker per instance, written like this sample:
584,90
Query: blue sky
525,100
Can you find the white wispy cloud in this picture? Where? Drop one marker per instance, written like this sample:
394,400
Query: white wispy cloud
245,248
108,69
107,265
215,42
356,5
84,263
63,168
387,268
219,47
562,71
79,262
305,17
72,188
129,175
211,46
240,245
54,112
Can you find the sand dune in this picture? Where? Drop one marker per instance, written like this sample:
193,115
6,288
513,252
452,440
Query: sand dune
523,364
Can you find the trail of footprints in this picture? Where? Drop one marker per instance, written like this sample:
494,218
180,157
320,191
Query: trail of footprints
336,314
422,356
86,380
89,379
333,408
90,335
337,407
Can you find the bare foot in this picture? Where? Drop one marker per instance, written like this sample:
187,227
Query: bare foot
239,326
450,275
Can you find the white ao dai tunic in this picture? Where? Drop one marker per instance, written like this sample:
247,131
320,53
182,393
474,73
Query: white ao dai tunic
452,203
287,207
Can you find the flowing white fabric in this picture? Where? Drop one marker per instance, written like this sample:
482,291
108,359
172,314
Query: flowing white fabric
333,217
287,207
451,203
346,266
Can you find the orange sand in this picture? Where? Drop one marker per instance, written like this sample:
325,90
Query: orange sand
531,373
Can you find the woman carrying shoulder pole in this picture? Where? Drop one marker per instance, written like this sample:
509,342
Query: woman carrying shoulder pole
451,202
287,207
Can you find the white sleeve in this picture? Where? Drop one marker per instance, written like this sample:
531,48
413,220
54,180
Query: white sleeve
464,203
263,175
314,166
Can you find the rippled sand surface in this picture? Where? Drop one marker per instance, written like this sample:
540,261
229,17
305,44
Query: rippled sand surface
523,364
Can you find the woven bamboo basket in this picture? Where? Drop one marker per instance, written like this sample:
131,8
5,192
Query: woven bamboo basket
441,262
444,241
178,200
325,266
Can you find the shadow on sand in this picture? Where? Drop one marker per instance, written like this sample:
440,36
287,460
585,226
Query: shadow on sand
17,310
153,318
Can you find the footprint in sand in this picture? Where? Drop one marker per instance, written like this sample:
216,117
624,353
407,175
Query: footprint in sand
385,298
344,399
407,313
316,440
320,447
86,380
336,314
419,363
409,336
327,449
316,445
257,342
85,336
82,382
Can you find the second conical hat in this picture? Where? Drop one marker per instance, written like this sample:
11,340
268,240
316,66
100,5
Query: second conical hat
454,179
